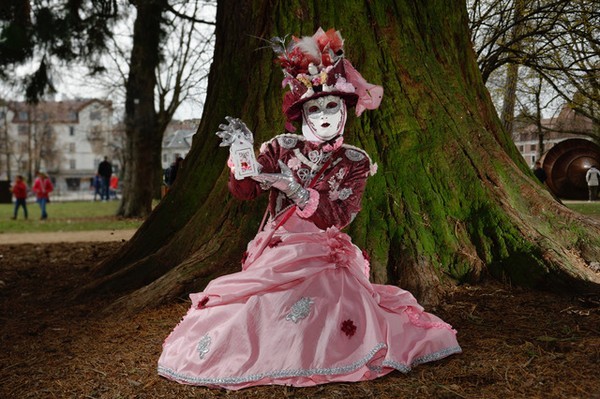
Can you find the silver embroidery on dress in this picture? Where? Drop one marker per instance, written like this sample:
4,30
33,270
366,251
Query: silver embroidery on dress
287,142
312,165
345,193
315,156
300,310
305,174
335,193
203,346
232,380
354,155
167,372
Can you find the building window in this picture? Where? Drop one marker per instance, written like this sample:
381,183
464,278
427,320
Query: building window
23,115
2,114
71,147
72,164
95,115
532,160
23,130
521,149
73,115
71,131
533,147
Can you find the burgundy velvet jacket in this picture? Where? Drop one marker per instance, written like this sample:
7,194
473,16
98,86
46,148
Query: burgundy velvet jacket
336,194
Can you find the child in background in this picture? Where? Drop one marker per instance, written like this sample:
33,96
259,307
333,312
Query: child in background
19,190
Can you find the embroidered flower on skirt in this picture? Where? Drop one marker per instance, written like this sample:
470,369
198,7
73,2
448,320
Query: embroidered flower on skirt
348,328
203,346
300,310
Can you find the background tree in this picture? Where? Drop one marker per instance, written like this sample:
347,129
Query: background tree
45,34
171,79
556,40
6,145
80,33
453,200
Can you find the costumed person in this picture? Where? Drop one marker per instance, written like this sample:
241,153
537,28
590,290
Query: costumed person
302,310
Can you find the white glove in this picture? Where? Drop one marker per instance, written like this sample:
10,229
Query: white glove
234,129
285,183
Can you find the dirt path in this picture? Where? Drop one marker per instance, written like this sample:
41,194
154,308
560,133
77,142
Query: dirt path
67,236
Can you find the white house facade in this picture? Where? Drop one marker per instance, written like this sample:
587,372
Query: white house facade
66,139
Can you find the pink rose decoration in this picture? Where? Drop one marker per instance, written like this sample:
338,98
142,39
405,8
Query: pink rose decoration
342,85
340,246
373,169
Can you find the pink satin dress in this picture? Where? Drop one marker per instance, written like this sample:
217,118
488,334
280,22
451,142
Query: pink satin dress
301,312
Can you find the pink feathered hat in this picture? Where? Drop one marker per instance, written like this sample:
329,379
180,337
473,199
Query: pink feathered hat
314,66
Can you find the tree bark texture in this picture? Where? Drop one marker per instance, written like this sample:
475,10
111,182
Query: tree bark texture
453,200
143,136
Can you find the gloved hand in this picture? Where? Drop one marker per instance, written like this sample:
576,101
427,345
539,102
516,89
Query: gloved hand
285,183
235,129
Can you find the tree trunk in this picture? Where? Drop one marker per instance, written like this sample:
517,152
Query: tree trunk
143,137
453,200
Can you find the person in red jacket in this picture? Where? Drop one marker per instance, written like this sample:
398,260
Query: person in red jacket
19,190
42,187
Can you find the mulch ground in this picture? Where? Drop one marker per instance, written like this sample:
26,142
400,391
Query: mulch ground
517,343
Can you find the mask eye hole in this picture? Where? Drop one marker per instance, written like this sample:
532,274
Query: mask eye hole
331,105
313,109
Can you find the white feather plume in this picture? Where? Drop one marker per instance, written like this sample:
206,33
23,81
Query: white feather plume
309,46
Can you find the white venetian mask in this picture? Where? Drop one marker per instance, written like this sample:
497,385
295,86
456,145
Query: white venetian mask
323,118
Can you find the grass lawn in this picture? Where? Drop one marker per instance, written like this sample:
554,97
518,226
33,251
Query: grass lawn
585,208
88,215
66,216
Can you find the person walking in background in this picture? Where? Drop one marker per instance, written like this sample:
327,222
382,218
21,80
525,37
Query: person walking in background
105,171
171,172
113,185
539,172
42,187
19,190
97,186
593,181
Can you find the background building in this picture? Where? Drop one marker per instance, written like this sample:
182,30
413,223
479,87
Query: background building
534,140
566,146
178,140
67,139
